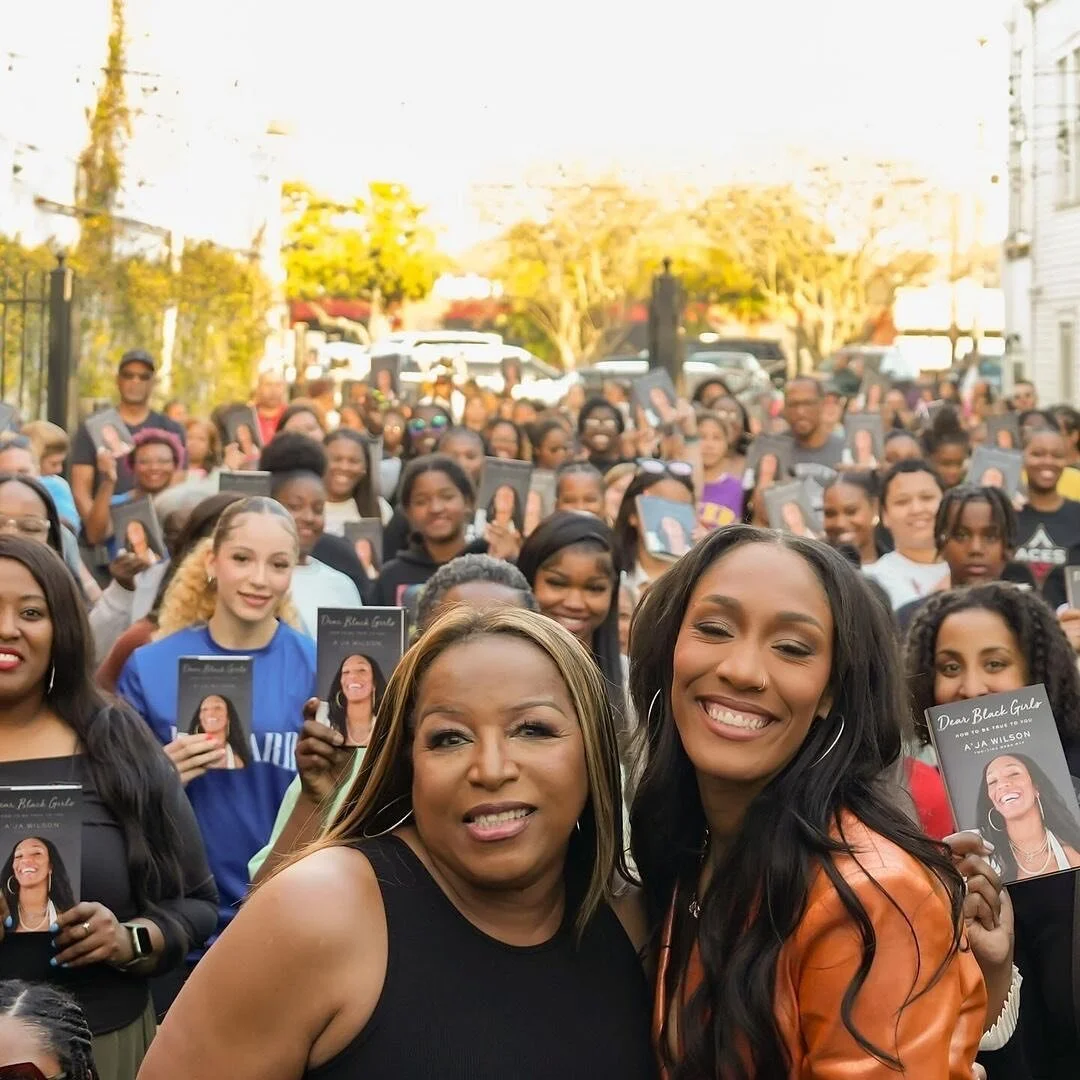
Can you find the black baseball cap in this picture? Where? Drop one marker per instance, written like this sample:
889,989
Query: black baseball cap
137,356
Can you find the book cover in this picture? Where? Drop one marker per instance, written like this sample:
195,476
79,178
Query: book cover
1007,779
214,699
366,537
1003,432
504,490
790,508
136,530
873,390
996,468
770,458
385,375
667,526
9,417
865,434
542,485
1072,586
357,651
248,483
241,426
108,432
374,464
41,842
654,396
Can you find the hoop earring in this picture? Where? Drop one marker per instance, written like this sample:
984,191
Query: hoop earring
652,705
52,680
397,824
1042,816
836,739
338,701
10,887
990,820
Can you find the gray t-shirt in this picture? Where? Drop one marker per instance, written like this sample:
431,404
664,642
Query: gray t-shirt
819,465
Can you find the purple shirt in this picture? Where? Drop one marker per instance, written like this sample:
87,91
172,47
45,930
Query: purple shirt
721,502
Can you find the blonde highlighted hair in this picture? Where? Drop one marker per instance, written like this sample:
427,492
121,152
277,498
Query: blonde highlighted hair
191,596
595,861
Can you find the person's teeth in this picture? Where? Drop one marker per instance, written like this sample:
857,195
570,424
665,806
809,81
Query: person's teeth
489,821
750,721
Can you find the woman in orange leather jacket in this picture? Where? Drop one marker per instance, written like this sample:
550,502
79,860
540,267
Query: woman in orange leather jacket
801,925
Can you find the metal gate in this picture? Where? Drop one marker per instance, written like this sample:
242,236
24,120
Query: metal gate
36,342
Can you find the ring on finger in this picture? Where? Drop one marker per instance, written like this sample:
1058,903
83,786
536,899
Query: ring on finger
86,928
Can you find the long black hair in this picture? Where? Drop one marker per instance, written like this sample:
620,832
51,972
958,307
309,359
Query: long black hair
955,500
235,738
129,770
57,1020
1055,814
339,712
39,489
759,892
60,891
363,493
569,529
1050,658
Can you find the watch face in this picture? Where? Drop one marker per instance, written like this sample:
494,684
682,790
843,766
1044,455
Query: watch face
141,939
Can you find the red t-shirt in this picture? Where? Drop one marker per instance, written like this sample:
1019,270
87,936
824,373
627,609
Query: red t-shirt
928,792
268,424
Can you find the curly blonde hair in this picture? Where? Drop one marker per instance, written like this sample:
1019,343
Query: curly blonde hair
191,597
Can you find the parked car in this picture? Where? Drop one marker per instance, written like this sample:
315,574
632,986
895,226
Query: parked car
769,352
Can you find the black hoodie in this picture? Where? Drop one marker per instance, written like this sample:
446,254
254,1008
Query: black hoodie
413,566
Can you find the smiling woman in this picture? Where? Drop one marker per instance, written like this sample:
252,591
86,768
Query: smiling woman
771,710
467,880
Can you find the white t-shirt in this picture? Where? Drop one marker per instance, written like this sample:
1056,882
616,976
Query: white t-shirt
905,580
316,585
337,514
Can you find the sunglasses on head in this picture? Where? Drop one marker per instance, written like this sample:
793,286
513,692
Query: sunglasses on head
436,422
27,1071
655,467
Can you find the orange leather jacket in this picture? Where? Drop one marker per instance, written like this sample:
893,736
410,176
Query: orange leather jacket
935,1036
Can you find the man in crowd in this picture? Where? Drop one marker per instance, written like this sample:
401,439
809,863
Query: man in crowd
818,447
270,400
1024,397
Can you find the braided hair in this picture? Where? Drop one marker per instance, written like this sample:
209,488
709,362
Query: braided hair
956,499
1050,658
57,1020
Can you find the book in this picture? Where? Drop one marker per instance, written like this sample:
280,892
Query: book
667,526
374,464
504,490
1007,779
865,446
136,530
771,458
1003,432
357,651
9,417
873,390
386,375
790,508
108,432
542,484
366,537
240,425
41,841
654,396
214,699
248,483
1072,586
996,468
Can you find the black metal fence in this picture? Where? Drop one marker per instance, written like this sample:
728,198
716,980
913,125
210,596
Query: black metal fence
36,356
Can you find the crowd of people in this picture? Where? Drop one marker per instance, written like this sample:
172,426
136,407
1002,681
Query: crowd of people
634,803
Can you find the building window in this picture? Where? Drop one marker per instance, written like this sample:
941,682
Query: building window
1067,357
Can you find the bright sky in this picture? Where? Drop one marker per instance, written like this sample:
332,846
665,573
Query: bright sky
448,96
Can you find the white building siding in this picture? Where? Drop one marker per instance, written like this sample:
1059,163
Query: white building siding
1055,132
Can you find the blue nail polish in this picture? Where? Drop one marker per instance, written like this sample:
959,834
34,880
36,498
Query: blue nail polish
55,928
65,966
53,946
52,961
9,922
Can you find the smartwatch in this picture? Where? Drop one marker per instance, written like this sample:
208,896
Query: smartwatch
141,945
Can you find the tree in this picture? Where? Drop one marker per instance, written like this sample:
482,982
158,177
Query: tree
375,247
574,271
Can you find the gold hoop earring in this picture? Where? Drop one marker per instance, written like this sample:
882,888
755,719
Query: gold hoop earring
396,825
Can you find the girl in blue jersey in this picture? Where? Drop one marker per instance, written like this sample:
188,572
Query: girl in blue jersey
231,598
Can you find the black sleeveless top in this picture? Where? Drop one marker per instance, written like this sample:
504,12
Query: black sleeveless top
459,1005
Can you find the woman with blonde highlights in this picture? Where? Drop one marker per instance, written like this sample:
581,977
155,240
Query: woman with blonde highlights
469,876
230,599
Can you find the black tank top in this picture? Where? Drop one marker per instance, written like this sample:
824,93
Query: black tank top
459,1005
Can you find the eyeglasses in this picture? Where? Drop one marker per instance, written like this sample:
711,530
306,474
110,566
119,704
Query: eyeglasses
436,422
601,423
138,376
27,1070
33,527
656,467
